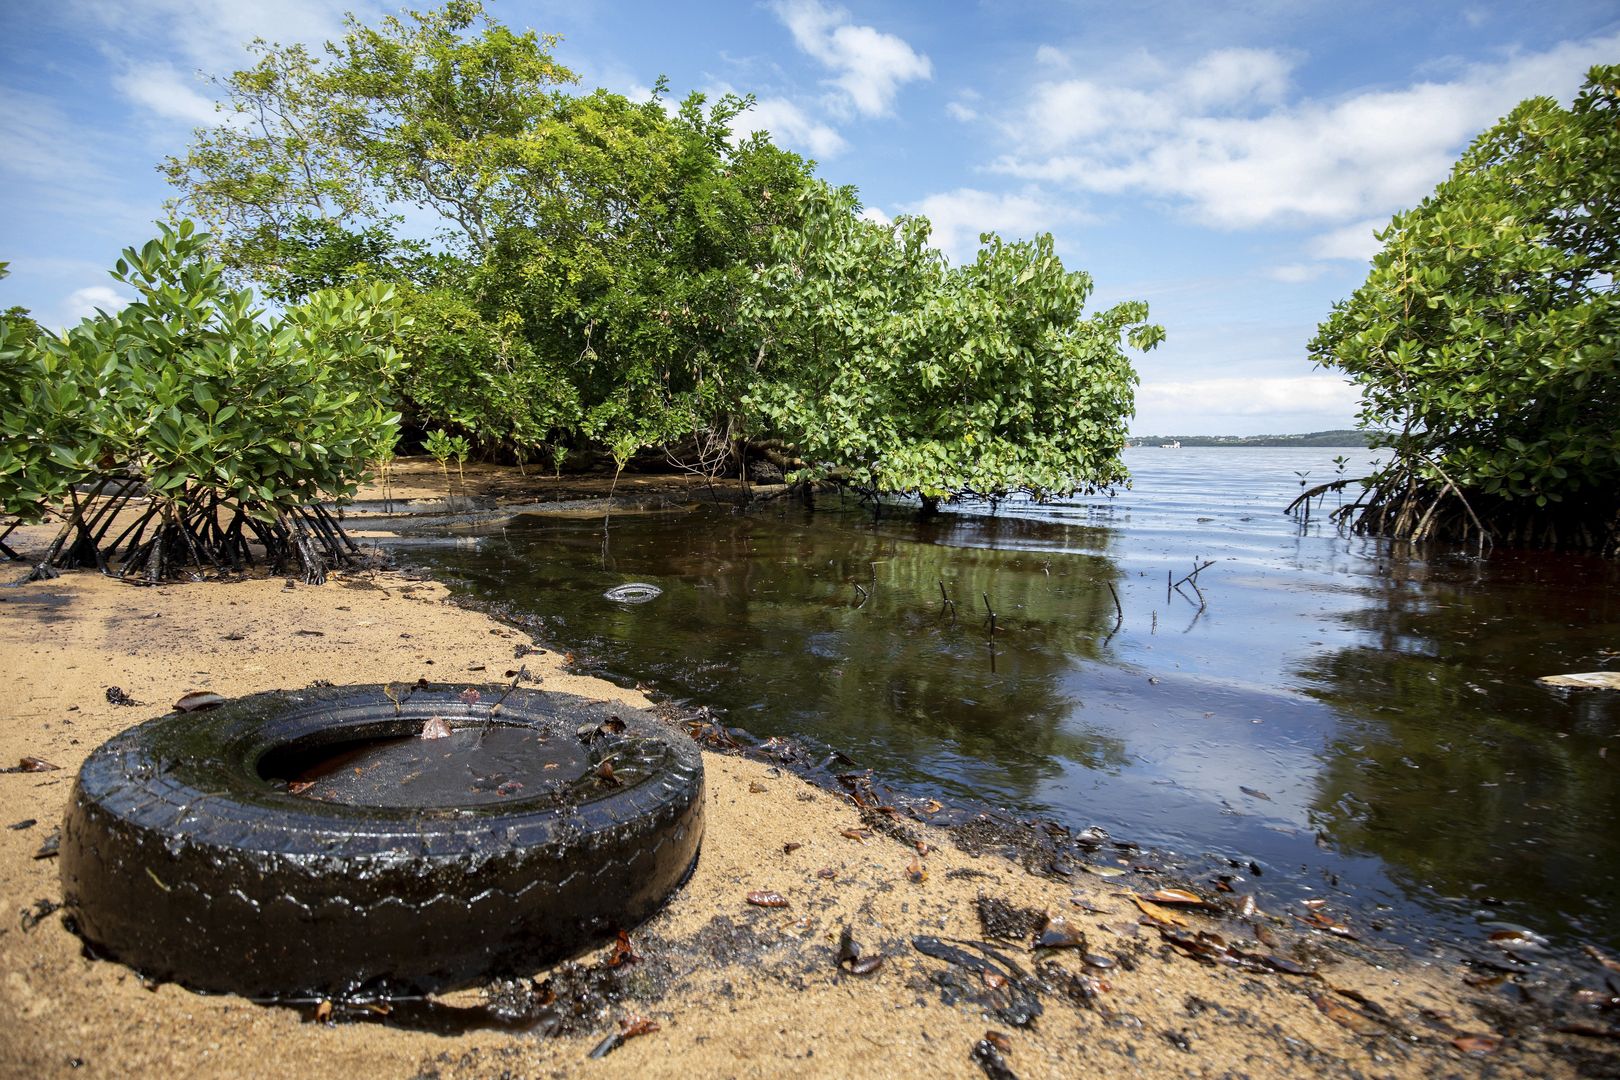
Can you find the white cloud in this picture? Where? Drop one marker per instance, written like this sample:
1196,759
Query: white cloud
792,127
201,35
870,66
958,111
1234,78
873,213
1051,57
1219,139
959,216
1295,273
83,303
163,90
1324,394
210,35
1354,242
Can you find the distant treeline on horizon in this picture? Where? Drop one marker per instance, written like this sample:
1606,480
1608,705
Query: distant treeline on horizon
1339,437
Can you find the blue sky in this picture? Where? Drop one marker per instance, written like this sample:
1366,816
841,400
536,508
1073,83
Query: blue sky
1228,166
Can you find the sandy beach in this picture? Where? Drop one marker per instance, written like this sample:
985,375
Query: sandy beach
734,989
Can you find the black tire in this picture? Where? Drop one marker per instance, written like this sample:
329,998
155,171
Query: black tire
180,859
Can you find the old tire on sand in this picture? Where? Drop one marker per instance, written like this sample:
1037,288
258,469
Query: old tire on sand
187,854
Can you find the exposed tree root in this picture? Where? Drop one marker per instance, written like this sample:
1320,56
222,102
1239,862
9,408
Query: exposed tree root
197,530
1402,503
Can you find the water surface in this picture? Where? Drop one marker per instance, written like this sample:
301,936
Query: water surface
1359,721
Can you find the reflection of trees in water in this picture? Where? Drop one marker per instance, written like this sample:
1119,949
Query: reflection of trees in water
762,617
1453,766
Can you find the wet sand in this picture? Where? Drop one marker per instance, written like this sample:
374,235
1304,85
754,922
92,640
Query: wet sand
736,990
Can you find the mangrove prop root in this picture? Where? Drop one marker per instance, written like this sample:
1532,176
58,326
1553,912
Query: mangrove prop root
190,533
1417,502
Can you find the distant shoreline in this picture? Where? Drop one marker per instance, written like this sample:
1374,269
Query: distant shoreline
1342,437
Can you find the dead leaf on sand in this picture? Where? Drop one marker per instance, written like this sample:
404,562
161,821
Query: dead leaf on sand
1345,1016
1161,915
1477,1045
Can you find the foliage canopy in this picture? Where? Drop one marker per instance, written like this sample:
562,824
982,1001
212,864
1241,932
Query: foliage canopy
925,378
635,274
1486,336
227,426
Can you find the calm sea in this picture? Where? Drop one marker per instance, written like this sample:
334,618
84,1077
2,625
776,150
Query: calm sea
1361,722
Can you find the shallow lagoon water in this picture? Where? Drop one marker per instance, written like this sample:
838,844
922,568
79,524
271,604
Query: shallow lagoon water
1362,723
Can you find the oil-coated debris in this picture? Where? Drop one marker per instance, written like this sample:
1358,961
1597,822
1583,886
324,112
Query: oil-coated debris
613,725
1211,948
989,1058
1059,933
1000,986
42,909
852,958
999,919
606,1046
629,1028
32,764
116,696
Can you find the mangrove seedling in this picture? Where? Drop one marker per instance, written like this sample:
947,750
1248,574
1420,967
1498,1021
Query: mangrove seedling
439,445
459,449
